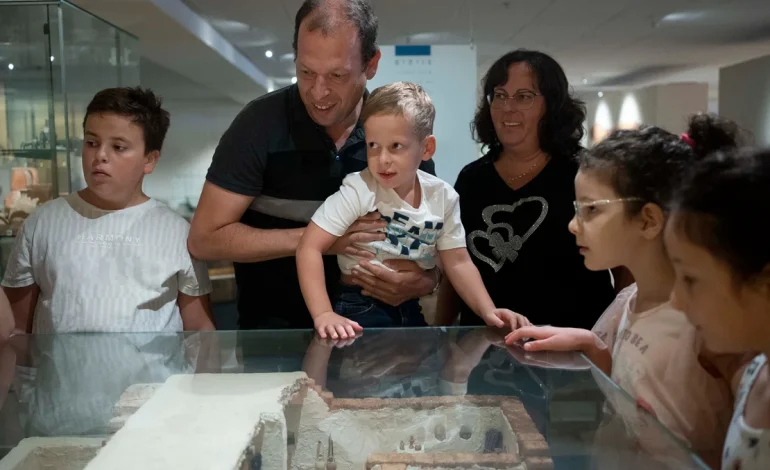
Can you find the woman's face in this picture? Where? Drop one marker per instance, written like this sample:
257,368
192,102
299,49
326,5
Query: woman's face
733,316
517,127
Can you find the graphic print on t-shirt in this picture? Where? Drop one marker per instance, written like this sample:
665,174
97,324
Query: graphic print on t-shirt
500,237
405,238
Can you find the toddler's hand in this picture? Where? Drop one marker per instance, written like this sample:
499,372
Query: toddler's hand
335,326
502,317
550,338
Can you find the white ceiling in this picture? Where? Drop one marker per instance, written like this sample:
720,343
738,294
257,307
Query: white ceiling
609,43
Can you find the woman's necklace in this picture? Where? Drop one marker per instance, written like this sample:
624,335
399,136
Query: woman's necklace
529,170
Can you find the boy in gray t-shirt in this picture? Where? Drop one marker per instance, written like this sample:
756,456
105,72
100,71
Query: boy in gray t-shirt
109,258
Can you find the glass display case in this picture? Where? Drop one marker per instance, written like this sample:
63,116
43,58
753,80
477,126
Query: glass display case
397,399
53,58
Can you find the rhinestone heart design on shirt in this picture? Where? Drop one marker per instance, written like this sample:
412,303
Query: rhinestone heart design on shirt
504,249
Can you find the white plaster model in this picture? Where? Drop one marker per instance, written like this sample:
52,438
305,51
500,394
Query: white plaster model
222,421
61,453
206,422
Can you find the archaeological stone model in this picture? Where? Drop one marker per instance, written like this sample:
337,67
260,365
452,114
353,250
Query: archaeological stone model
282,421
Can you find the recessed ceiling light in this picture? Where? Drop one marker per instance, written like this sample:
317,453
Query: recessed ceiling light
683,17
287,57
601,94
585,81
229,26
10,66
293,79
268,53
52,58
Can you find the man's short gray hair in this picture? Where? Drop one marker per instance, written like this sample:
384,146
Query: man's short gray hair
327,15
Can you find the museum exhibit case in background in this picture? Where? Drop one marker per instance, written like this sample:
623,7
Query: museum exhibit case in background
397,399
53,58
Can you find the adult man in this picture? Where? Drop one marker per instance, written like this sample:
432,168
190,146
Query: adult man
283,155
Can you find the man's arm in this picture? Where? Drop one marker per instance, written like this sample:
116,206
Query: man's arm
23,301
216,232
195,312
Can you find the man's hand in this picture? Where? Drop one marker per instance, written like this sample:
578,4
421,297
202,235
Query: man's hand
335,326
367,229
502,317
406,281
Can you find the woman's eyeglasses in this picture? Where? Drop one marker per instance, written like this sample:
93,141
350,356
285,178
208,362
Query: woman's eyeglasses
522,100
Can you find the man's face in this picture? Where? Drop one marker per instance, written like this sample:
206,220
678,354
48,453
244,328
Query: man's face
331,74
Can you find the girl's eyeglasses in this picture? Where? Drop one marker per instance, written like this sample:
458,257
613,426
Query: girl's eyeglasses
584,209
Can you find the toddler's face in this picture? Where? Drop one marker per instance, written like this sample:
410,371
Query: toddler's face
604,234
732,315
395,151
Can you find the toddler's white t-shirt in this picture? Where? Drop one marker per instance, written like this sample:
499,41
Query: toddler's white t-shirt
413,233
106,271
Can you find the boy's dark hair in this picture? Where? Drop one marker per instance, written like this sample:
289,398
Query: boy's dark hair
723,205
325,15
141,105
561,127
649,163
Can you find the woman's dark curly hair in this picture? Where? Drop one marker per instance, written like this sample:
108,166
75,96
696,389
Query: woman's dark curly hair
561,127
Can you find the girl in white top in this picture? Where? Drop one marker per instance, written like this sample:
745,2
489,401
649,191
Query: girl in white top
645,344
718,241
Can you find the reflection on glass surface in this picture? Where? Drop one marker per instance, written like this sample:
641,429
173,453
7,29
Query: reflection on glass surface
412,396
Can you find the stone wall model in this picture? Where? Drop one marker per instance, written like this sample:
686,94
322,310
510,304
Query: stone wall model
284,421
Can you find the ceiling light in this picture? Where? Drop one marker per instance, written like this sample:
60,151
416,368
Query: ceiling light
683,17
601,94
585,81
268,53
10,66
287,57
293,79
51,58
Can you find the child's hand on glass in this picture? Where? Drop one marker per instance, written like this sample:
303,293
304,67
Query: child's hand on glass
551,338
329,324
502,317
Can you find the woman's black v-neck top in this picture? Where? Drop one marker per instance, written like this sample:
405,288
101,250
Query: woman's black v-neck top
520,243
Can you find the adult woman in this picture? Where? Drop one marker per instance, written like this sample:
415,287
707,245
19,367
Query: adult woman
517,200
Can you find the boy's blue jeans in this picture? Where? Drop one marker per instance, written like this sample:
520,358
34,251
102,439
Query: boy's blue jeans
371,313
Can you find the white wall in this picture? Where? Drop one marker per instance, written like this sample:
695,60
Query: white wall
199,117
449,76
666,106
744,95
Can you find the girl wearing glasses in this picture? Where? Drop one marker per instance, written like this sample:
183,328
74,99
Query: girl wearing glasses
516,200
647,346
